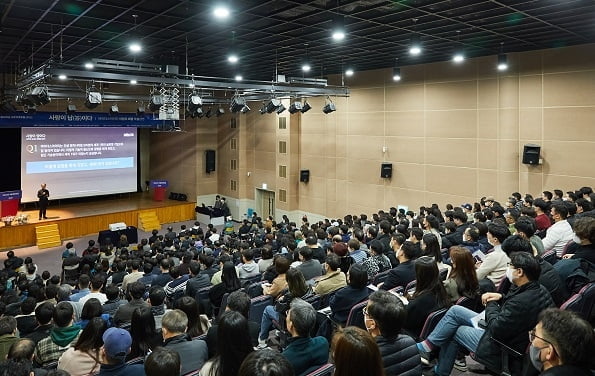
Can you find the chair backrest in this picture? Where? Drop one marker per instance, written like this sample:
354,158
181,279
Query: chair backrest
431,322
583,302
473,304
254,289
411,286
549,256
257,306
356,315
324,370
249,281
315,300
380,278
346,263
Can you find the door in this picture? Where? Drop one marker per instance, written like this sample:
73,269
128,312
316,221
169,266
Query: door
265,203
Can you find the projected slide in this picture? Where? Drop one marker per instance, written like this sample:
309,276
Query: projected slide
78,162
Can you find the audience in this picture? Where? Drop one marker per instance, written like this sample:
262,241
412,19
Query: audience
333,279
8,334
355,353
145,337
265,363
83,358
345,298
193,352
462,281
116,345
162,362
136,292
63,335
404,272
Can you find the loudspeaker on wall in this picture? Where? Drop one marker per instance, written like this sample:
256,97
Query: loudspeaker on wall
305,176
386,171
531,154
210,161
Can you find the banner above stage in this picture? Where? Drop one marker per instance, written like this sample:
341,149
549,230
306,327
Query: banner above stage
78,119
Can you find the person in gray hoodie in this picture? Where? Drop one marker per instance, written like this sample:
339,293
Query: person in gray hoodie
248,268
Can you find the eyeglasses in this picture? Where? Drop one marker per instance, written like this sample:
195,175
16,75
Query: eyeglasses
532,337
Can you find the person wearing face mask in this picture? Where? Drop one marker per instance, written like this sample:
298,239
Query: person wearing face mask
562,343
493,266
403,273
384,316
584,230
508,318
560,233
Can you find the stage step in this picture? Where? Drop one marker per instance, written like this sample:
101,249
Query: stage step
48,236
148,221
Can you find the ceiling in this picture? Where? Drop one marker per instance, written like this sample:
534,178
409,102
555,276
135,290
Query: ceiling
276,36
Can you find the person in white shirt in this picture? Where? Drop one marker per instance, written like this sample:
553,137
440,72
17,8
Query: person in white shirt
96,285
494,265
560,233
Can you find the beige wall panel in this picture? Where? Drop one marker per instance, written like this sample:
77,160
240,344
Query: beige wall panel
530,91
508,92
404,149
508,182
313,204
342,147
206,188
363,171
440,179
366,124
487,93
314,164
487,154
330,167
312,125
453,123
405,123
373,78
264,142
362,196
569,158
569,89
487,124
508,124
331,190
365,147
451,95
567,183
341,168
316,145
265,161
568,59
486,65
442,199
530,123
405,98
509,155
529,62
366,100
455,152
487,183
316,188
408,176
569,124
448,71
342,124
530,182
406,197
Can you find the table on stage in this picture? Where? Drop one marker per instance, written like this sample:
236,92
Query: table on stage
130,232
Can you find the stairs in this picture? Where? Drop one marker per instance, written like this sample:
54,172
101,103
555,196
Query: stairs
48,236
148,221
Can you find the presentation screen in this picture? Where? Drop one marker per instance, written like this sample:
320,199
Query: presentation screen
78,162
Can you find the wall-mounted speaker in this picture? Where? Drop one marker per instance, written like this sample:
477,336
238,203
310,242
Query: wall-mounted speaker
531,154
210,161
304,176
386,170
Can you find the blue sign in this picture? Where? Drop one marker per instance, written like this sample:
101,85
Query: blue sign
11,195
159,184
70,165
78,119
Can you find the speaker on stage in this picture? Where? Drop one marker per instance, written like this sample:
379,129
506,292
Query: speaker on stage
210,161
304,176
531,154
386,170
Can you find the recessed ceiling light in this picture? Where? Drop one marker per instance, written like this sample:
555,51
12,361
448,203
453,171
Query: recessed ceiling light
233,58
415,50
349,72
338,35
62,77
502,62
239,77
221,12
135,47
396,74
458,58
133,82
89,66
306,67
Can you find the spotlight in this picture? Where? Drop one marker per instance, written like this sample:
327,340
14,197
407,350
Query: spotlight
239,77
306,107
458,58
272,105
194,102
70,109
237,103
199,112
30,109
140,110
502,62
263,109
396,74
135,47
349,72
338,35
415,50
209,112
221,12
114,110
220,111
295,107
329,107
37,96
245,109
155,102
62,77
133,82
93,98
233,58
89,66
306,67
280,109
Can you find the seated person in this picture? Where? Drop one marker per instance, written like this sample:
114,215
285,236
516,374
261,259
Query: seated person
162,362
63,335
509,317
116,345
494,265
333,279
303,352
193,352
384,317
345,298
310,267
404,272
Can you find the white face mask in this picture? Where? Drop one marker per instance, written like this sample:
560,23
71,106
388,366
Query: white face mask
509,274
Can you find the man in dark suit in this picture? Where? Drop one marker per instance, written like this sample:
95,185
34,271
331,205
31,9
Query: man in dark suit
403,273
43,195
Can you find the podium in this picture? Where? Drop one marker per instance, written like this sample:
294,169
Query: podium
159,188
9,203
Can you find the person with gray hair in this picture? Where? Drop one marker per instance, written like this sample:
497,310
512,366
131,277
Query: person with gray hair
193,352
304,352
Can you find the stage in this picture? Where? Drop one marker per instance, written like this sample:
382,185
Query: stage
94,215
